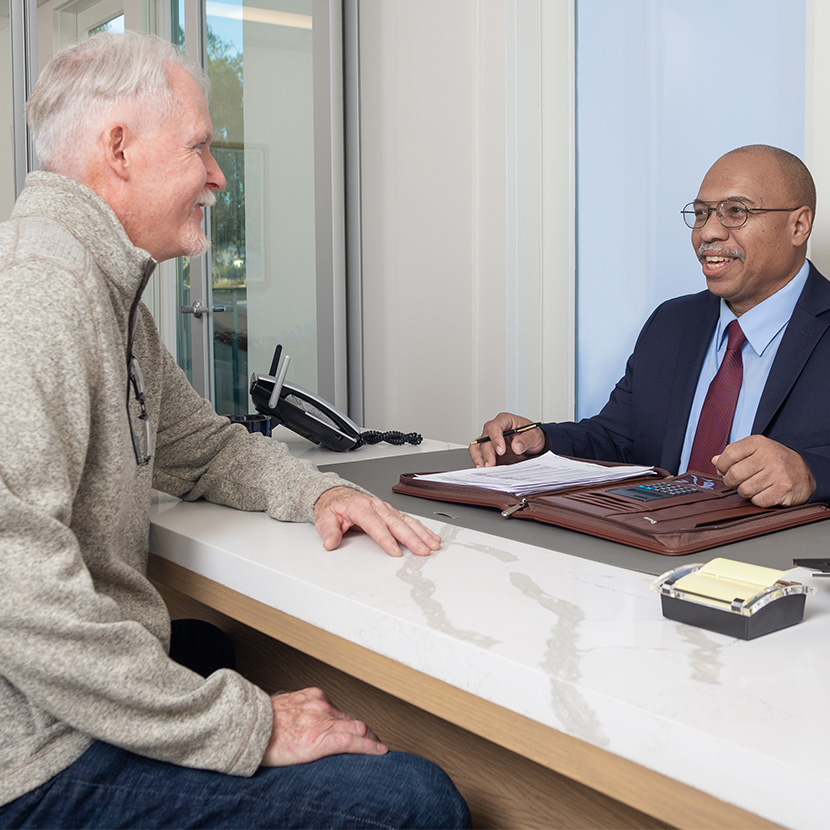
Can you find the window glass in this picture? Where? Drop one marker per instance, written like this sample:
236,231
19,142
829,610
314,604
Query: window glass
262,262
184,342
229,241
116,24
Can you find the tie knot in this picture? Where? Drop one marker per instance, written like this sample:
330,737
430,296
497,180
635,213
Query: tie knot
736,337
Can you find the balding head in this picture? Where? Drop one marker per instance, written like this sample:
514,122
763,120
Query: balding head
800,185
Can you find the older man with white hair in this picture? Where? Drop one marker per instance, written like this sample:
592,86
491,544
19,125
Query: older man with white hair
98,726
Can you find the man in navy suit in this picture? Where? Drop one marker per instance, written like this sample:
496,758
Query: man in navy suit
750,224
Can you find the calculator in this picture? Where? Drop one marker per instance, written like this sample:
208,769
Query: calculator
657,490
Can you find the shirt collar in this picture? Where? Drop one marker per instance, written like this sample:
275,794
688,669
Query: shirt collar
764,321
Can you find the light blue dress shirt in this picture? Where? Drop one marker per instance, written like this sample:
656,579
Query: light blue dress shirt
764,326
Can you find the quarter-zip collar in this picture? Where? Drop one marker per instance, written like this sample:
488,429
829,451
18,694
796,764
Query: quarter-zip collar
149,267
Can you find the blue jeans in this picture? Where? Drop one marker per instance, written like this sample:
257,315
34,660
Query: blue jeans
109,787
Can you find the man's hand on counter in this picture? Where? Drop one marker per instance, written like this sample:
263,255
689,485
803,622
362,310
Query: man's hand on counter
341,508
308,727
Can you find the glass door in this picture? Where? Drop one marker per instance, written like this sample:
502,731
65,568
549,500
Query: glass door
276,271
261,283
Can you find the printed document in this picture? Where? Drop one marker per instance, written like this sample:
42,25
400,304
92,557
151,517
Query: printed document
539,475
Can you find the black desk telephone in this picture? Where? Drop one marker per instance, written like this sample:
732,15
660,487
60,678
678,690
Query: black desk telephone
310,416
300,410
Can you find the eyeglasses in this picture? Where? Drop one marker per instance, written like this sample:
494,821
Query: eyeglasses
137,381
731,213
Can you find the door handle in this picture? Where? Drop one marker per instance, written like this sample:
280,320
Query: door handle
197,309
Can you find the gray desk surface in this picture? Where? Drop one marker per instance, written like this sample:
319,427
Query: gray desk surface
379,475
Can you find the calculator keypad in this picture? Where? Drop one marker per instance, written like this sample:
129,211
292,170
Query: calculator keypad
657,490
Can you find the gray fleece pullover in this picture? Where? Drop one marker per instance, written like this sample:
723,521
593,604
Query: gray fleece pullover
83,634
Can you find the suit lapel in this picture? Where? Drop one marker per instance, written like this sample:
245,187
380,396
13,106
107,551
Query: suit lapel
802,335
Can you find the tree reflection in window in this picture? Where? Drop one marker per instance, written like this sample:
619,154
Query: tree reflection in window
227,227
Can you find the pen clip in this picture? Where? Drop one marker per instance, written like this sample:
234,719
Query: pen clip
483,439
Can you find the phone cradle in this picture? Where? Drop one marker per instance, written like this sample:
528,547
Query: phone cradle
302,411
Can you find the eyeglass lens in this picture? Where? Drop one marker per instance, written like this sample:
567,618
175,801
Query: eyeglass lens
730,213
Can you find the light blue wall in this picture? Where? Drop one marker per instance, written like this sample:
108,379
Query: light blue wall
664,87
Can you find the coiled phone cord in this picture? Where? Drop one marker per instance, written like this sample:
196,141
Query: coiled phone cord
373,436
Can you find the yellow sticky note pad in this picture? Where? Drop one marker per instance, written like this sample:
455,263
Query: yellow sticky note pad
732,598
726,580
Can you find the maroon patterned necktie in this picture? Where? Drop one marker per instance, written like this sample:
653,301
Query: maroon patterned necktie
715,421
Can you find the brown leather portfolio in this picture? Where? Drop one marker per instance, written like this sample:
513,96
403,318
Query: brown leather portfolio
672,515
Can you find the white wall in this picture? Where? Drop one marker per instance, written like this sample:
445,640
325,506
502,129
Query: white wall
468,271
463,179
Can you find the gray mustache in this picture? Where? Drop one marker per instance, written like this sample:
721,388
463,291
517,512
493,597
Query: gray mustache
709,250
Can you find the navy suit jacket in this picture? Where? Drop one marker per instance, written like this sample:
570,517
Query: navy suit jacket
644,421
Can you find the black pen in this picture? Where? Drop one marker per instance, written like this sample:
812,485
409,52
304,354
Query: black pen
484,439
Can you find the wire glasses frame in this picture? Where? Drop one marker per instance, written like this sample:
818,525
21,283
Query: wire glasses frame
137,382
730,212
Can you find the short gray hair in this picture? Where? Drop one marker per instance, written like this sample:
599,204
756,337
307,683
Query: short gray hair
89,84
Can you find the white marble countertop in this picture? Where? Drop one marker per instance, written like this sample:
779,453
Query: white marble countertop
577,645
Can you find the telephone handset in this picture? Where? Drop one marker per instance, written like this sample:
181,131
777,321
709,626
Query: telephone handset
302,411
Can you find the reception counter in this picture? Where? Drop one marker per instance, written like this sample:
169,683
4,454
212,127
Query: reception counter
548,685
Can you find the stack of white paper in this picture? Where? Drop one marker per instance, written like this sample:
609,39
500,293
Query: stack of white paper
539,475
